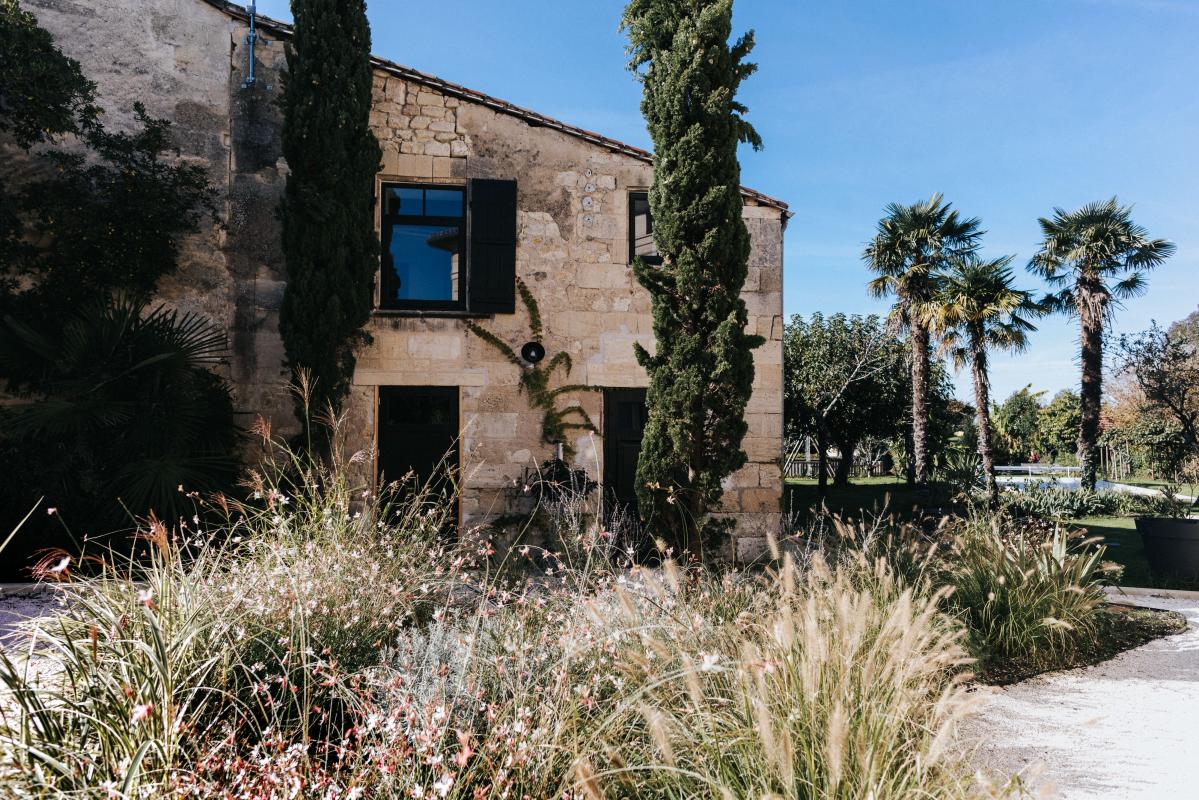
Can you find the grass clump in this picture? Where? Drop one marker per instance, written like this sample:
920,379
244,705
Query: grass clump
244,631
1029,600
319,643
1029,594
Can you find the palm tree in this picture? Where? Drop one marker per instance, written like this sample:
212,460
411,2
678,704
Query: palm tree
1083,252
912,245
976,310
120,408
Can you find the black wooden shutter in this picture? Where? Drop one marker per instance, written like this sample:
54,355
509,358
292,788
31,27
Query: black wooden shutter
492,257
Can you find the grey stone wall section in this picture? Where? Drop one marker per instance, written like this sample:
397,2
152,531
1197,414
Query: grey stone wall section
257,176
187,61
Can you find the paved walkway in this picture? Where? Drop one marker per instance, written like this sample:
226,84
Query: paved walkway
1127,728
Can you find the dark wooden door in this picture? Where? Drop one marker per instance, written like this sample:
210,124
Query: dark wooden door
418,435
624,425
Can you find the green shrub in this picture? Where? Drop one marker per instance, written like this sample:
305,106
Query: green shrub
1027,592
1058,503
1023,597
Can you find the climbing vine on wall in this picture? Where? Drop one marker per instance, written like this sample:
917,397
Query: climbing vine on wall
535,379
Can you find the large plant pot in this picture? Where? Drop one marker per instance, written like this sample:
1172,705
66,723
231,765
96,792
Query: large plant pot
1171,545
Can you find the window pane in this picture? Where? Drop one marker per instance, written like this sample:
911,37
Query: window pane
443,202
425,261
405,201
642,226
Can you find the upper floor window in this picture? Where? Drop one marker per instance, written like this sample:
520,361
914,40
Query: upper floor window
641,230
449,248
424,242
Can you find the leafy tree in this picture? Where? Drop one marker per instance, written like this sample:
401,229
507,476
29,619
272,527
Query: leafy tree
329,240
1016,421
119,409
1057,427
1152,440
1165,367
43,93
913,244
1097,256
976,309
947,416
844,381
110,218
1187,329
701,374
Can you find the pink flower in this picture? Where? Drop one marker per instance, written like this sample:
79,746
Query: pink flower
51,511
142,713
146,597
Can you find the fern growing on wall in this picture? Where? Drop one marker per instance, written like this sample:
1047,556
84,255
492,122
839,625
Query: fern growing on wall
535,379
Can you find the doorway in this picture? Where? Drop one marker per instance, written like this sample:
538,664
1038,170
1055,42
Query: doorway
418,435
624,425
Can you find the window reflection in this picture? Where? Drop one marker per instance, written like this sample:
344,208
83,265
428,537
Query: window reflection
423,244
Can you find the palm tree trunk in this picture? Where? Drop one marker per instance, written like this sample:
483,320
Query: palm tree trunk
982,416
845,465
822,441
1091,392
920,453
909,465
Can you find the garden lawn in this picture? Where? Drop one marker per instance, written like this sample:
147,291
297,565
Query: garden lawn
863,496
1123,546
867,496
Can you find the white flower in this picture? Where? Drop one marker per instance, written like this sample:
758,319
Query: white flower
141,713
710,661
443,785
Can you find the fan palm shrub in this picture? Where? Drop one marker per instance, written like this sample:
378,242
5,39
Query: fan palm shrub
976,309
913,244
119,407
1095,257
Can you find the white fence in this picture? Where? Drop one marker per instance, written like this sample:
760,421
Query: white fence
1039,469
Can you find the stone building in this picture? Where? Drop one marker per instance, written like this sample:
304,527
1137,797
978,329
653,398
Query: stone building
474,193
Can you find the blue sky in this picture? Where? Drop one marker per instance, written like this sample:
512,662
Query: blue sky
1008,107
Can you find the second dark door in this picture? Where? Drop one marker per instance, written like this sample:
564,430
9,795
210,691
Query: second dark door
418,436
624,425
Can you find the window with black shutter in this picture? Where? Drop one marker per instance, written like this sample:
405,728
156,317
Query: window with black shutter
449,248
424,241
641,230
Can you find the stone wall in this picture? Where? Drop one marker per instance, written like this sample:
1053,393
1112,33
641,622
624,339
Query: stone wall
187,60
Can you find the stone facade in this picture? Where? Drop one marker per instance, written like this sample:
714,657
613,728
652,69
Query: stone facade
187,60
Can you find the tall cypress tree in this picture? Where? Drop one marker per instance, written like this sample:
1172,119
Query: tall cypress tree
329,240
702,371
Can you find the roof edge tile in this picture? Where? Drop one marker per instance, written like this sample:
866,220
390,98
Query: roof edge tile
502,106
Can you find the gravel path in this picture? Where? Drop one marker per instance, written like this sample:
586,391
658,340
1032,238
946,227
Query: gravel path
1127,728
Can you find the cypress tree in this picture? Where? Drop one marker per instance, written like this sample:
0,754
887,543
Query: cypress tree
329,240
702,371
